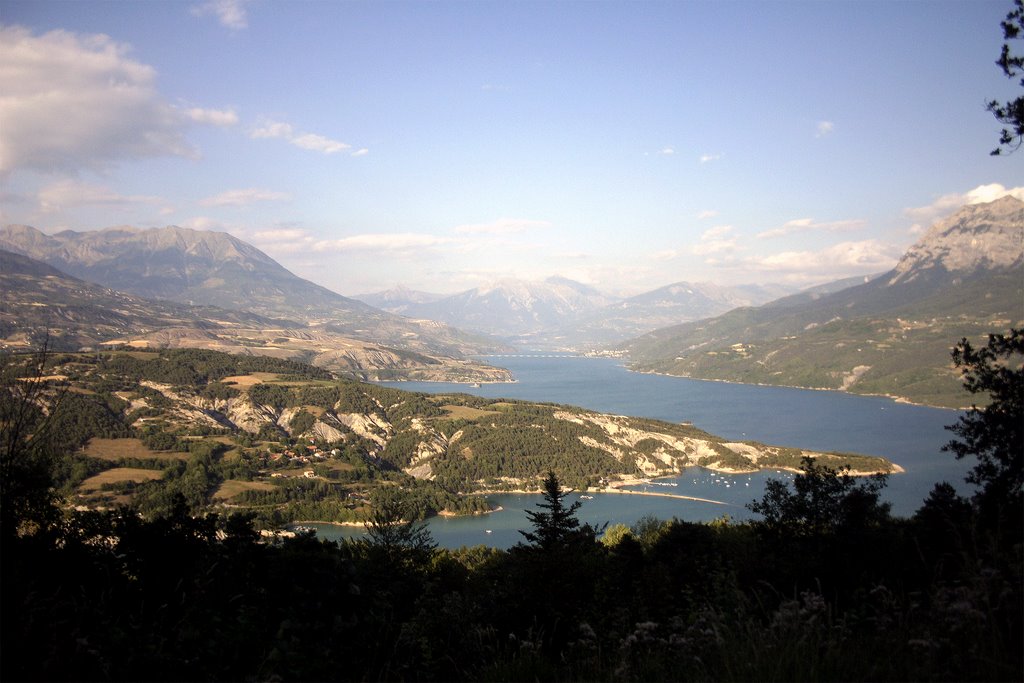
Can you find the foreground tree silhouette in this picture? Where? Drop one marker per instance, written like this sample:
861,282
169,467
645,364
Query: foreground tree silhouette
1011,113
994,434
27,502
391,531
556,527
822,500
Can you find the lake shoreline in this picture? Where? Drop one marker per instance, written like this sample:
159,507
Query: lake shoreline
892,397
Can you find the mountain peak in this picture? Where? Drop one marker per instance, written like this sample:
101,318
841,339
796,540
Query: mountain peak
978,236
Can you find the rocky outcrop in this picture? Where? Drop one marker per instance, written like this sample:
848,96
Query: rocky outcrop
979,236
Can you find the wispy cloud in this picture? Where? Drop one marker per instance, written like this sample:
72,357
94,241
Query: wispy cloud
824,128
73,101
383,243
807,225
666,151
310,141
72,193
231,14
708,213
502,226
717,240
214,117
282,235
245,196
708,158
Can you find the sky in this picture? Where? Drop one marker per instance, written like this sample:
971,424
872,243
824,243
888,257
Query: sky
445,145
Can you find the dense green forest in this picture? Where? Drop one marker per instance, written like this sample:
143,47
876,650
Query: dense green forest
826,586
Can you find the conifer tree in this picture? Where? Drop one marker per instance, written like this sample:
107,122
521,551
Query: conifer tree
556,527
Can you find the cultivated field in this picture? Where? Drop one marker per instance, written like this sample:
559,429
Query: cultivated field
119,474
113,450
246,381
232,487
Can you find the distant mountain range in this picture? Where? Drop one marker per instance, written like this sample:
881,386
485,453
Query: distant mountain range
215,269
564,314
891,335
262,307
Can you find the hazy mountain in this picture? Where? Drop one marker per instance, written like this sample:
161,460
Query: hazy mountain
669,305
399,300
214,268
41,302
516,309
562,313
891,335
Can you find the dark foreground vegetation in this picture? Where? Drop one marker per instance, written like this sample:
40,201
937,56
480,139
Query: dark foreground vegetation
827,587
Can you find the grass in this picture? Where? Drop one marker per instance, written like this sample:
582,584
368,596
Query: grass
113,450
119,474
246,381
233,487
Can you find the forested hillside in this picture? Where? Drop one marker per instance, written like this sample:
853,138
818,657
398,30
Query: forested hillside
289,441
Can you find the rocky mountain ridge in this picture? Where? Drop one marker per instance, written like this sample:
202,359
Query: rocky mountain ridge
891,335
216,269
41,303
978,237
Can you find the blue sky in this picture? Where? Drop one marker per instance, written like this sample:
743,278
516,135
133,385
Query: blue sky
443,145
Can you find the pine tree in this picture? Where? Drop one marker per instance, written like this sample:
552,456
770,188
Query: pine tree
556,527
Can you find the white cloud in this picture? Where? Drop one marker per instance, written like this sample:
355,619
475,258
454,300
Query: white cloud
230,13
666,151
310,141
708,213
71,193
807,224
273,129
213,117
824,128
502,226
705,158
319,143
361,152
840,260
948,203
243,197
71,101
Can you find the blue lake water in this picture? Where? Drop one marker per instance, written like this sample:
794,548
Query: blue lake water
911,436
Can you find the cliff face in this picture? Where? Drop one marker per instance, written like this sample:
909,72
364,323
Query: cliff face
978,237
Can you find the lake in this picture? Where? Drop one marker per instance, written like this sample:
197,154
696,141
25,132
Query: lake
911,436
